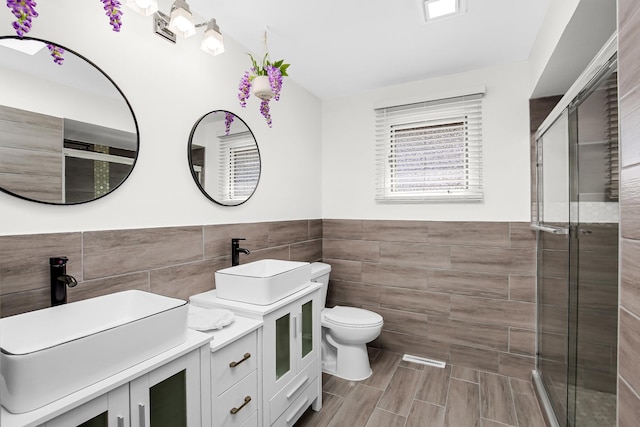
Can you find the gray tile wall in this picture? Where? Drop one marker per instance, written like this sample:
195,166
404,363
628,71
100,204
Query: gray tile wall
172,261
462,292
629,323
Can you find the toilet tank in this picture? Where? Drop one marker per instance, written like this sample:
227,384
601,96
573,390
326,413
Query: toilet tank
320,273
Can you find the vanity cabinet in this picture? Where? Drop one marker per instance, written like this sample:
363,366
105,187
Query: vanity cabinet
171,389
168,396
290,374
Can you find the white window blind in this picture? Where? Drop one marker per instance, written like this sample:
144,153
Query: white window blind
239,167
430,151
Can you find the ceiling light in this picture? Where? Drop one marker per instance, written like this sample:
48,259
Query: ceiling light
434,9
144,7
212,40
181,19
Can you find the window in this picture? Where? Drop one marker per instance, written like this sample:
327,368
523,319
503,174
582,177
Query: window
240,166
431,151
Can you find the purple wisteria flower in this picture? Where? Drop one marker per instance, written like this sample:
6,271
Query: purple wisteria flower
24,11
264,110
56,53
275,80
112,8
244,89
228,119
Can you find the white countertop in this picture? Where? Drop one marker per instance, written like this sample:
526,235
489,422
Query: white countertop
38,416
240,327
210,299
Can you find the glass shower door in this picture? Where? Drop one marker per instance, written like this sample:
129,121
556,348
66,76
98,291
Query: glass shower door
593,338
553,264
577,276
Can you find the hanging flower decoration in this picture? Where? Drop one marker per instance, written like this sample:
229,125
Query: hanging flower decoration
25,11
56,53
112,8
273,72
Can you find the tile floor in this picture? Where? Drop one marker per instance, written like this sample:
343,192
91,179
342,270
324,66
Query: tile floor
402,394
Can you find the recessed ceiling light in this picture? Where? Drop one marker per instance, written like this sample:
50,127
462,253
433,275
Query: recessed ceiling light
435,9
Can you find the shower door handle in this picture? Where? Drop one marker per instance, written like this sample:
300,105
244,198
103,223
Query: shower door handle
550,229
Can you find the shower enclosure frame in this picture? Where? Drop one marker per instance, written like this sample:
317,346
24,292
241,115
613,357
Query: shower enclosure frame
566,109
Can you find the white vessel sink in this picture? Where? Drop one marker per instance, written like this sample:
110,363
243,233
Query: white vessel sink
262,282
50,353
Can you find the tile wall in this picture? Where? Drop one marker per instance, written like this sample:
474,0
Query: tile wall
629,323
173,261
462,292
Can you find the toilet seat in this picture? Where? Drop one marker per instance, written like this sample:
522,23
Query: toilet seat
351,317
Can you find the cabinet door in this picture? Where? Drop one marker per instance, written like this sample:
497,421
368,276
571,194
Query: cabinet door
109,410
307,333
279,360
168,396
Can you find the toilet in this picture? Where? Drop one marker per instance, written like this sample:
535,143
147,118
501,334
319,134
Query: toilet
345,333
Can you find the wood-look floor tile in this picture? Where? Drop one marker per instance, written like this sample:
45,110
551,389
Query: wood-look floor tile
400,392
425,414
434,385
463,405
527,410
488,423
339,386
465,374
395,276
521,386
383,368
381,418
496,401
330,406
357,408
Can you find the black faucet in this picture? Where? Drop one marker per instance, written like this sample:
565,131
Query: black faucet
235,251
60,280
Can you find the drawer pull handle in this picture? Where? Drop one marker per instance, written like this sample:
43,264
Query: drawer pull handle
236,410
297,387
120,421
301,406
245,357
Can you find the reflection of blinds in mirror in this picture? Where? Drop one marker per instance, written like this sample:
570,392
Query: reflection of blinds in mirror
611,90
239,168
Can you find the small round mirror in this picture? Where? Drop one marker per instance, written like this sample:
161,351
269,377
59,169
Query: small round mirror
224,158
68,135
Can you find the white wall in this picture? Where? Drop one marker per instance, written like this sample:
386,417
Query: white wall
349,141
169,88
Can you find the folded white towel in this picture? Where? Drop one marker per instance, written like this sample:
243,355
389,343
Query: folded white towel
207,319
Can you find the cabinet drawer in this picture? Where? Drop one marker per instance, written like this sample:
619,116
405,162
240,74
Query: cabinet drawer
289,393
223,375
235,397
299,405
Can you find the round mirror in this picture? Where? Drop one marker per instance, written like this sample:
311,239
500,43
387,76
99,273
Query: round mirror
67,133
224,158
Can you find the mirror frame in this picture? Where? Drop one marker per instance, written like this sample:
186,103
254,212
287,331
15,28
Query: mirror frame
190,158
133,116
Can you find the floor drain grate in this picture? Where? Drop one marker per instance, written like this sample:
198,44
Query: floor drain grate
423,361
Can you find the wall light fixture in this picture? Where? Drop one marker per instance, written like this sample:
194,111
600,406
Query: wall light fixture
180,22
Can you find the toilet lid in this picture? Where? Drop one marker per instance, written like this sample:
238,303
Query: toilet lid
352,316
